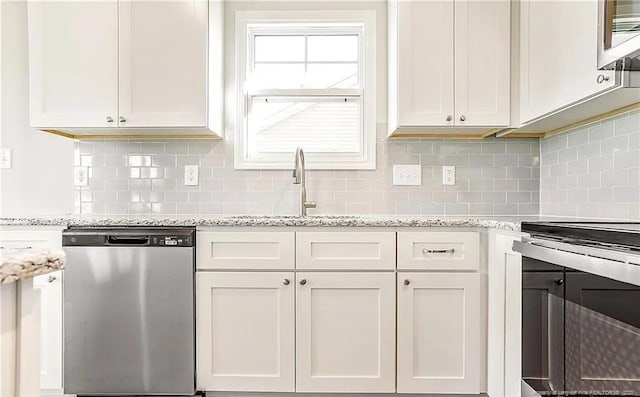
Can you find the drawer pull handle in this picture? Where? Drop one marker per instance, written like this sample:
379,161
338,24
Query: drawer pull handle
407,282
286,281
303,282
447,251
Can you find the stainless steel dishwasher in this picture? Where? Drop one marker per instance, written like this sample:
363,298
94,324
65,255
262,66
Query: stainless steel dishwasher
129,320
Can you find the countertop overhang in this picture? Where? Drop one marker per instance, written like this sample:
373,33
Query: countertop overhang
17,265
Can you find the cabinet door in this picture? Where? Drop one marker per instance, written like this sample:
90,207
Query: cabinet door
163,63
245,331
73,63
50,287
482,66
558,55
345,333
425,63
439,333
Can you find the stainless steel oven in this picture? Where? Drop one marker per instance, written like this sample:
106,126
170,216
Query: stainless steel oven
619,34
580,316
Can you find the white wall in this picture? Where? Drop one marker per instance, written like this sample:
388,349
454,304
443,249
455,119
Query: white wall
41,179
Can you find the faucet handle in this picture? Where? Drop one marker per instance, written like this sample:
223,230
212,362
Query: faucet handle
310,204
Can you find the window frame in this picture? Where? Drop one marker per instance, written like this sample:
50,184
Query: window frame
252,23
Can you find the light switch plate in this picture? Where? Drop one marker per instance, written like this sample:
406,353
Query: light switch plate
5,158
81,176
191,175
448,175
407,175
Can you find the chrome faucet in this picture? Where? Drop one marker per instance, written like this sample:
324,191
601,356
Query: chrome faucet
299,179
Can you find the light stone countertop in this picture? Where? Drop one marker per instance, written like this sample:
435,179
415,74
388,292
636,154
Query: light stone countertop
504,223
16,265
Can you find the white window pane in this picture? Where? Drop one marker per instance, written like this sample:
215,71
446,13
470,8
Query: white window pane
333,48
330,75
278,75
328,125
279,48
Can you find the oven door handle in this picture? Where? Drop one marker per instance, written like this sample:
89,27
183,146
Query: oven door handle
582,259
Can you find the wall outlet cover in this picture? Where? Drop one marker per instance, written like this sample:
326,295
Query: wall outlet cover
191,175
407,175
5,158
449,175
81,176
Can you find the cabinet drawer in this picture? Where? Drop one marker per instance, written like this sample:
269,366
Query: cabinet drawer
345,250
439,250
244,250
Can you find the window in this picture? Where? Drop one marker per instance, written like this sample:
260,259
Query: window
307,83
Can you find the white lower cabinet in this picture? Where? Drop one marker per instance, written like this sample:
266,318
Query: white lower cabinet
439,333
245,331
345,333
49,323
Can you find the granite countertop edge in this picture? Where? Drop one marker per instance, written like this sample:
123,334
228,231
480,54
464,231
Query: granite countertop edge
506,223
25,264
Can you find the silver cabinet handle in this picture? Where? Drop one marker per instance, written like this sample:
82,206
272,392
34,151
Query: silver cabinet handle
286,281
303,282
310,204
122,119
463,117
602,78
446,251
407,282
109,119
52,279
449,118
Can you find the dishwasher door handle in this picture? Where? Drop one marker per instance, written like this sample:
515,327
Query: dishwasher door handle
128,240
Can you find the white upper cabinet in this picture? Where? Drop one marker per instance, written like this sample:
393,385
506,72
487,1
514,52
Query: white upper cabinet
163,63
424,49
449,64
558,56
482,67
126,67
73,63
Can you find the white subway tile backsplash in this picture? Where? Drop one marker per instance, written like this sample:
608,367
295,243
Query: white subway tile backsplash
147,178
603,178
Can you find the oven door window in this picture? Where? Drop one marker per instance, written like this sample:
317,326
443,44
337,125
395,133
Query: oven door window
543,325
602,336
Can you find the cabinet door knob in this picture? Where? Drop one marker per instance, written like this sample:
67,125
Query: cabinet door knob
109,119
449,117
602,78
122,119
463,117
51,279
559,281
286,281
303,282
407,282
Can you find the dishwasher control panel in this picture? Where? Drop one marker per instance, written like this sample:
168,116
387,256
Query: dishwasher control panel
129,237
171,241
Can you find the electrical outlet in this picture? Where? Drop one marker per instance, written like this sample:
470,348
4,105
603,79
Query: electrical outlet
449,175
407,175
5,158
81,176
190,175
